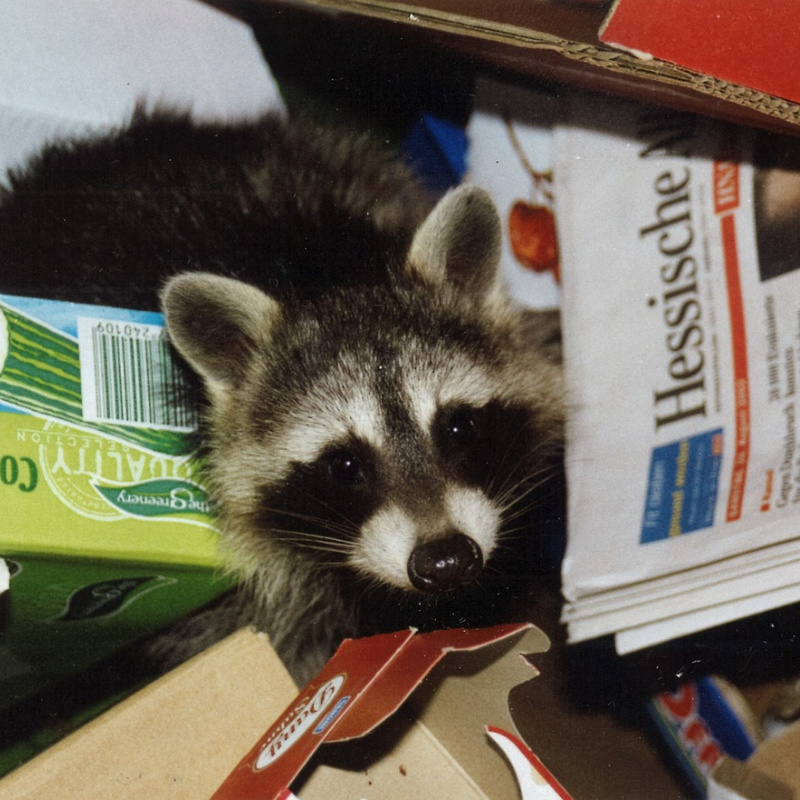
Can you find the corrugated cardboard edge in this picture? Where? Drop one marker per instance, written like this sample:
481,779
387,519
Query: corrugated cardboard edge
618,62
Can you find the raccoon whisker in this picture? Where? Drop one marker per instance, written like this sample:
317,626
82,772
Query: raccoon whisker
314,548
511,495
317,542
523,509
326,524
502,546
510,471
502,468
522,506
510,534
522,512
322,566
327,538
345,520
518,491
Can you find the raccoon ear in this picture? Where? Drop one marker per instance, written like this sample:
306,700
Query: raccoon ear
217,324
460,242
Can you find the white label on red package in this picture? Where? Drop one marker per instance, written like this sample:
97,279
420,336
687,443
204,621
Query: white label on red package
304,716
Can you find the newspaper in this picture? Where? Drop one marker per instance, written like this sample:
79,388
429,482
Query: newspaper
680,257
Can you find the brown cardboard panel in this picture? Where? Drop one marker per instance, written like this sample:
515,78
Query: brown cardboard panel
368,681
559,42
780,758
175,740
471,691
180,737
749,783
417,767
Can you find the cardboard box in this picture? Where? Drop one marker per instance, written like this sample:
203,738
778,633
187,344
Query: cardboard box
107,527
183,735
734,40
559,41
771,773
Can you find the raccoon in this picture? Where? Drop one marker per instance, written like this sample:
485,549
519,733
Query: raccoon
380,418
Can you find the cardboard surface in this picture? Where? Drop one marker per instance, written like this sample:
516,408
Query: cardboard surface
363,684
175,740
179,738
780,758
559,41
480,682
733,780
591,753
771,773
736,40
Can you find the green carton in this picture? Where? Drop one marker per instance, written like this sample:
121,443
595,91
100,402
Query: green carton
104,519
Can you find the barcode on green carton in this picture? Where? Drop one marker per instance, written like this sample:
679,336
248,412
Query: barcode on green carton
129,376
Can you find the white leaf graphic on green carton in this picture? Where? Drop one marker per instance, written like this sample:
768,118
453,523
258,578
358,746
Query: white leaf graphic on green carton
167,497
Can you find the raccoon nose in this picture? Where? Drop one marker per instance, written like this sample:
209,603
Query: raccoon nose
444,563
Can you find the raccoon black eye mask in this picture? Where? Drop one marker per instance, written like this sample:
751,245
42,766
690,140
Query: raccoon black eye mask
380,419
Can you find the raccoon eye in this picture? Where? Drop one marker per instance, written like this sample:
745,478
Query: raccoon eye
459,427
345,468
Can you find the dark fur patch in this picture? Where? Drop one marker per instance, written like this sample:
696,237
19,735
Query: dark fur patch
263,201
313,502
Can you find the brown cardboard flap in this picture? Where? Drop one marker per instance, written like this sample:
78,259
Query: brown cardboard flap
177,739
470,692
780,758
181,737
747,782
436,745
771,773
365,682
559,41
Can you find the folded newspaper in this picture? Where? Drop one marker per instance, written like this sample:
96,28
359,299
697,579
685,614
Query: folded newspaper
680,256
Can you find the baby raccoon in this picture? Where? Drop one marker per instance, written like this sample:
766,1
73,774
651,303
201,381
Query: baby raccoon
379,416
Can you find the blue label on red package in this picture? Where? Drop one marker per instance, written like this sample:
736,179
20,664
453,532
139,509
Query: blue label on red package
682,486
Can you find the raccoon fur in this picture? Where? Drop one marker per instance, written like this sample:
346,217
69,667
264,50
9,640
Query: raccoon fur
379,416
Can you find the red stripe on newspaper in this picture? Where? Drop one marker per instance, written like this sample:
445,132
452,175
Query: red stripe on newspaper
726,186
740,377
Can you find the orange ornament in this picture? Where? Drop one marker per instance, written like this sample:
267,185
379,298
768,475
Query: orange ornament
532,231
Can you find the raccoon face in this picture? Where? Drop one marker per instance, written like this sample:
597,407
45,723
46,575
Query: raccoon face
391,429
